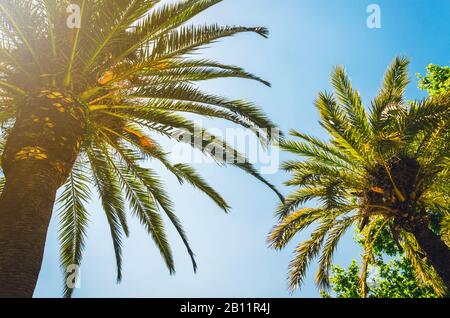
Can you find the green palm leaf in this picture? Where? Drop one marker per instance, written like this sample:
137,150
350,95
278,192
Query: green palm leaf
74,219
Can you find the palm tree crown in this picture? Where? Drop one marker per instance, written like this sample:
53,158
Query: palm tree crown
384,169
125,76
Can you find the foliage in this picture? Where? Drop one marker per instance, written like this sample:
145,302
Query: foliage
384,169
131,70
394,278
437,79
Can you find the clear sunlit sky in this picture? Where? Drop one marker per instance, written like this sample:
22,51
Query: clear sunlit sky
308,38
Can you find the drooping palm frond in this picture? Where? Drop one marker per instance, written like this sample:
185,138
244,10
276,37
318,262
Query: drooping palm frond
112,202
305,251
74,218
424,271
185,173
293,223
329,247
371,232
383,169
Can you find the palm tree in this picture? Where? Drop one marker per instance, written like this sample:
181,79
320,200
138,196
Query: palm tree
385,170
81,106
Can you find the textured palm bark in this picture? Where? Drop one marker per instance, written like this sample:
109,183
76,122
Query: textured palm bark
25,211
38,157
437,251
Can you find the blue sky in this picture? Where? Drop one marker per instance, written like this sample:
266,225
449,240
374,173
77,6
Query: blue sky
308,38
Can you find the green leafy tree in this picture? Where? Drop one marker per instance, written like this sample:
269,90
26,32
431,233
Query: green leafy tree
437,82
384,169
395,278
437,79
80,108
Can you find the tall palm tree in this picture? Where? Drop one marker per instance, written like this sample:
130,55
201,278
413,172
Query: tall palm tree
386,170
81,106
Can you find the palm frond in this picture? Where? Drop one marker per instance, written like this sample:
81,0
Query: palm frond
112,201
392,93
186,173
330,246
74,218
282,233
351,100
425,272
305,252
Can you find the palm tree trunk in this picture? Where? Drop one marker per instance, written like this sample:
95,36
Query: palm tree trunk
437,251
26,207
39,154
